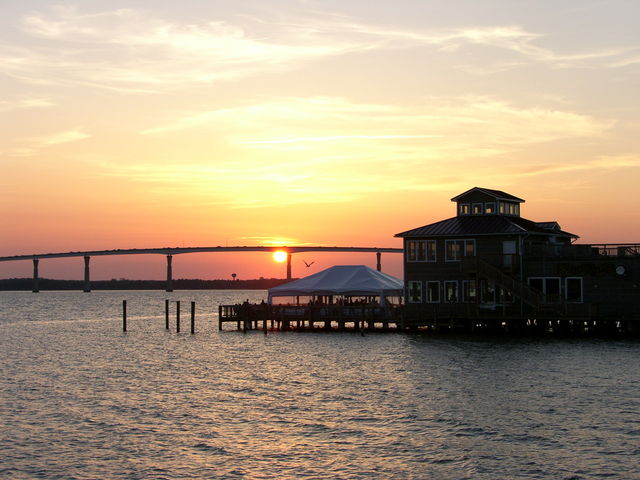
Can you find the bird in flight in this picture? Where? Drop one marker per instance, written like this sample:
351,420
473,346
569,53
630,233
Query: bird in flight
308,264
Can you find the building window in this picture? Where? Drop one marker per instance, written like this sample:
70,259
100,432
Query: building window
464,209
469,291
411,251
431,250
502,207
456,249
415,292
490,208
548,286
433,292
477,209
421,251
573,289
451,291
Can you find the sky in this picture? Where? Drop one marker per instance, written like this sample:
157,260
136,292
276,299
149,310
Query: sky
304,122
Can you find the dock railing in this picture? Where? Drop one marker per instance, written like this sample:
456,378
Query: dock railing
249,316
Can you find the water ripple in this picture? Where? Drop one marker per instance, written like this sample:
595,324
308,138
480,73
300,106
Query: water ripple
81,400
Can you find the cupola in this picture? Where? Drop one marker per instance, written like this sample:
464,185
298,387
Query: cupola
485,201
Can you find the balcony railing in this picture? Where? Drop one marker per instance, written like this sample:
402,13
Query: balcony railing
584,250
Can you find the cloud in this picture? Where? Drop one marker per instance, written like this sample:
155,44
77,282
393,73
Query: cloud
608,162
31,146
330,149
58,138
483,121
130,51
334,138
24,103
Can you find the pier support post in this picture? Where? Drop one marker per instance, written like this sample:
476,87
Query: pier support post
193,317
36,288
178,316
87,275
288,266
379,261
166,314
169,274
124,315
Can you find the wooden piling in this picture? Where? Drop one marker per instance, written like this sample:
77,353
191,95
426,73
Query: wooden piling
166,314
178,316
193,317
124,315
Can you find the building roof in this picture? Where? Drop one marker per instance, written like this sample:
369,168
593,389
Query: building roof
484,225
549,225
498,194
342,280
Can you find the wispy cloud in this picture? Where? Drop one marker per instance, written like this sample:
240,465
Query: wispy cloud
387,148
609,162
28,147
485,121
272,241
129,50
58,138
334,138
24,103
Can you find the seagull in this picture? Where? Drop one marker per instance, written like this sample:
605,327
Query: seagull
308,264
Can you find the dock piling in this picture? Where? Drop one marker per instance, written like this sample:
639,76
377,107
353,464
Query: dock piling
178,316
193,317
124,315
166,314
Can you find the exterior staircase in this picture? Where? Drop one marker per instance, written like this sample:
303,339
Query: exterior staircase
482,268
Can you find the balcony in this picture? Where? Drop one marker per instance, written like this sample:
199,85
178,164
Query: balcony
614,250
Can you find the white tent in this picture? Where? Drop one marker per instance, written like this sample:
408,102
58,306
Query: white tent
348,280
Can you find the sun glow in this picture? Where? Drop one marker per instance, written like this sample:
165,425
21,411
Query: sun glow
280,256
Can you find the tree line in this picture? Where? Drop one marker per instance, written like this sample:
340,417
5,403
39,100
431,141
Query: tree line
126,284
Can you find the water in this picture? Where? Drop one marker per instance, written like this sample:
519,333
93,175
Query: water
80,399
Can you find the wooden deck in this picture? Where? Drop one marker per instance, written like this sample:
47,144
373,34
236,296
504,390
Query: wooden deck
566,319
303,317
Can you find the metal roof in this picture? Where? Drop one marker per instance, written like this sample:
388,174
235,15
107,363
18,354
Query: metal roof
473,225
498,194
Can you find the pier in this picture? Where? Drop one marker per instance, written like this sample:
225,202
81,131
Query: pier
304,317
562,320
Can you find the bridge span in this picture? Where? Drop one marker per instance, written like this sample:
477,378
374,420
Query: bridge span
170,251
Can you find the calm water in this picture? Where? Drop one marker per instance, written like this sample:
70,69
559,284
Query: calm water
80,399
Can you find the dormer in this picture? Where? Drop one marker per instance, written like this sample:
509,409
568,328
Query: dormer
484,201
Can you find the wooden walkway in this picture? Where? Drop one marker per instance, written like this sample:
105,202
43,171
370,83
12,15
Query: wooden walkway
462,318
318,317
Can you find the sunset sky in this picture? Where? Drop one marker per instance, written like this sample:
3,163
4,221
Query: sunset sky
203,123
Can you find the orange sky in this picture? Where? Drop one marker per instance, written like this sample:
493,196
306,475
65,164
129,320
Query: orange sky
307,122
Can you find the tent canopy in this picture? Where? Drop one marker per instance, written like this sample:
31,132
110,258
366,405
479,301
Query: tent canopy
349,280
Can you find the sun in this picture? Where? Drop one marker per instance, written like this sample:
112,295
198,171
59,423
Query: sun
280,256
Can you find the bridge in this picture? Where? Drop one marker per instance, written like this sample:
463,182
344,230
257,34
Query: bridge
169,252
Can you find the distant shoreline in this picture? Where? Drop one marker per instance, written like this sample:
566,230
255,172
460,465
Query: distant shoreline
26,284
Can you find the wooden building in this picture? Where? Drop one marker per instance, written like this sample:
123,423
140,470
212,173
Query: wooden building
488,267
